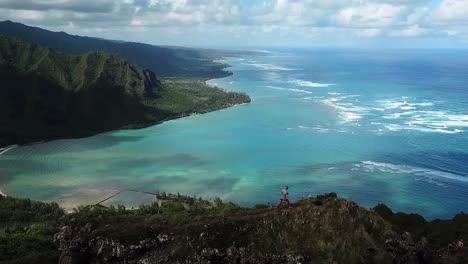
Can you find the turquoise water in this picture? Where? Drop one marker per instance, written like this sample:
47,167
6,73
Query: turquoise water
374,126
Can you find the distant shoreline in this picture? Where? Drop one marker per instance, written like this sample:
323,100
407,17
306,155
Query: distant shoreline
127,127
138,125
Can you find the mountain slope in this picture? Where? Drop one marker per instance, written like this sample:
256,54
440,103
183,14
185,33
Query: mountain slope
47,95
76,72
182,229
164,61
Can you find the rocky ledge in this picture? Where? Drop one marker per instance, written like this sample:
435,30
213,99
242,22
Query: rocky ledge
324,229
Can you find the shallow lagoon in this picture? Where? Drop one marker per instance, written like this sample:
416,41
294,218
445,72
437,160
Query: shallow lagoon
373,126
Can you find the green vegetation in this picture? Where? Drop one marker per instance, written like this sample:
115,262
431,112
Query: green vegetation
181,229
48,95
164,61
438,233
188,96
27,230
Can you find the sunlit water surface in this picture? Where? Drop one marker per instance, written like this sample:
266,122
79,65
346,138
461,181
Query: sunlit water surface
373,126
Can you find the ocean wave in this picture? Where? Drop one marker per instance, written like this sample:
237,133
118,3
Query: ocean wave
347,111
262,51
428,174
419,116
269,67
289,89
437,121
311,84
455,131
397,115
319,128
300,91
403,104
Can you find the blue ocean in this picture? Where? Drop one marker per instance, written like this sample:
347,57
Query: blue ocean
374,126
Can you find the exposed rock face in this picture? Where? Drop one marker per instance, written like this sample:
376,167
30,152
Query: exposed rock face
323,230
152,84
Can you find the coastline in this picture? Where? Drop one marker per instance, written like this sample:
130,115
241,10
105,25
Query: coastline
139,125
5,149
127,127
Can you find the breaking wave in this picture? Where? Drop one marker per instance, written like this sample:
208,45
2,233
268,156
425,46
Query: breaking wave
421,173
311,84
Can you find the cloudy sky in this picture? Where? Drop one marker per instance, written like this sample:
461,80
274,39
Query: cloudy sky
248,23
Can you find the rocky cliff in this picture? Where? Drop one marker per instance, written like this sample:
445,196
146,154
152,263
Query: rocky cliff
180,229
321,230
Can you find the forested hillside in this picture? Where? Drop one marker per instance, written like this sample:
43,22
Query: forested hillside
47,95
164,61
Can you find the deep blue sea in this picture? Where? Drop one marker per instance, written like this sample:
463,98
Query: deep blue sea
374,126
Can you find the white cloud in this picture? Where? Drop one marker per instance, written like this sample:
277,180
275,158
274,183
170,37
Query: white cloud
369,32
451,32
412,31
242,21
418,15
370,15
451,11
80,6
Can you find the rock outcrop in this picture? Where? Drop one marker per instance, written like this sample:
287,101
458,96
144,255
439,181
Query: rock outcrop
182,229
321,230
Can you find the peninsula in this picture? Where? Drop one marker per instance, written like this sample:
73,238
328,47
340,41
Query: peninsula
49,95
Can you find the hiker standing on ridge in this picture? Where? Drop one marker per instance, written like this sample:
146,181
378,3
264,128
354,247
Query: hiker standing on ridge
284,197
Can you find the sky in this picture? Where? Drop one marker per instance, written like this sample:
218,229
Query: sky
254,23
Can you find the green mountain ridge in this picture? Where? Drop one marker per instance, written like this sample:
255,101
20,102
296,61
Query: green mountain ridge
76,72
163,60
182,229
49,95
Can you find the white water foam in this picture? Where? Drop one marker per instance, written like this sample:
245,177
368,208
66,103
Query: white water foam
300,91
405,114
428,174
269,67
348,112
319,128
289,89
418,116
402,104
311,84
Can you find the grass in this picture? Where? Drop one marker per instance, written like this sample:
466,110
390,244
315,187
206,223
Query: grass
187,96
